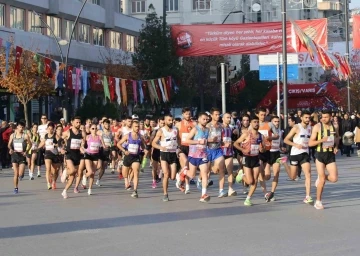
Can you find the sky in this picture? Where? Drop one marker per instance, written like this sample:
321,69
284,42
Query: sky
354,4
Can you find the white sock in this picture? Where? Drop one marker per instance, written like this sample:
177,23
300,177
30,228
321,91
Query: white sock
203,191
187,187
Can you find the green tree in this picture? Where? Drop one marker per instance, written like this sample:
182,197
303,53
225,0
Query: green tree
155,55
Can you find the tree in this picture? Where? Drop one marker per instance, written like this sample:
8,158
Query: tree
155,55
355,88
23,78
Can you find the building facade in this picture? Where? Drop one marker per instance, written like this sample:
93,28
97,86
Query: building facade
102,30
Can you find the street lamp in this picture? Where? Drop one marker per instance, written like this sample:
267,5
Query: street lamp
237,11
347,50
64,42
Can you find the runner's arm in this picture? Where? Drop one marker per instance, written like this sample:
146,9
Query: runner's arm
191,135
290,135
237,143
157,138
121,142
313,138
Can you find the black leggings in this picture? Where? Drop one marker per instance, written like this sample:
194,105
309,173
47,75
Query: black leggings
40,157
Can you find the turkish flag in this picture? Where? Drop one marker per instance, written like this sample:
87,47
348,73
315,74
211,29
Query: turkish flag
48,70
242,84
112,87
69,83
19,51
95,82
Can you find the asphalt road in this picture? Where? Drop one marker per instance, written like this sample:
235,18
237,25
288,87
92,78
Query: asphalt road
40,222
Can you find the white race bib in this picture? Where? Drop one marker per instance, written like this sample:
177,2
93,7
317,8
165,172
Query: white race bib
305,143
275,144
107,142
133,148
34,146
75,144
49,145
329,143
18,147
264,132
184,136
254,149
94,146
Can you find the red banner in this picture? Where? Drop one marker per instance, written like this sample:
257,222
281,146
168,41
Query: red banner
249,38
356,31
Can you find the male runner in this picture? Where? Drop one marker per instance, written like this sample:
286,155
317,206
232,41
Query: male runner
167,136
326,139
42,130
155,154
251,144
298,139
105,155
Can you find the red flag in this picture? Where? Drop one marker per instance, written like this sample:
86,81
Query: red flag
95,82
242,84
17,61
48,70
168,86
356,31
112,88
69,84
144,88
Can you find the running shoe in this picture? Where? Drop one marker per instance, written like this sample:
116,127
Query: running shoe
153,184
64,194
282,160
222,194
239,176
192,182
128,187
63,175
232,192
199,184
16,190
98,183
245,191
158,180
308,200
112,171
38,175
120,176
20,178
76,190
178,182
268,196
317,182
48,186
248,202
89,192
210,183
273,199
83,181
187,191
182,188
204,198
53,185
134,194
166,198
318,205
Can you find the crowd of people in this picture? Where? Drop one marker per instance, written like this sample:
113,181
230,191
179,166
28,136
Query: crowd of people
187,149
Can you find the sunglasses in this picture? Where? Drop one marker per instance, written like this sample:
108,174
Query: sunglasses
44,118
93,128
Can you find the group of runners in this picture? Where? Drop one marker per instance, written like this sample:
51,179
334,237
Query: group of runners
186,150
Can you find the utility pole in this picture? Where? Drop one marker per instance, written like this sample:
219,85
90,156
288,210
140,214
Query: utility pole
284,61
347,49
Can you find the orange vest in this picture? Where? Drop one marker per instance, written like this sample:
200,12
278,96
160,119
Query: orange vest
265,130
185,128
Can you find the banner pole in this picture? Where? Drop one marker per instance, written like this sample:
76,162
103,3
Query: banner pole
223,96
284,62
278,85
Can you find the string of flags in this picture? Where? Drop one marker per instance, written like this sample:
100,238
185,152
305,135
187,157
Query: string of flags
115,89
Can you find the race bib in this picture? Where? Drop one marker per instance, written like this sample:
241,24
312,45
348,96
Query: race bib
49,145
34,146
18,147
107,142
264,132
184,136
94,146
254,149
75,144
305,143
275,144
133,148
329,143
227,140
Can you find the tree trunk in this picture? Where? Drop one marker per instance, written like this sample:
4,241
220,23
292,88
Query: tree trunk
26,114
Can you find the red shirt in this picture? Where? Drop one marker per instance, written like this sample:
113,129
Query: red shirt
66,128
6,135
115,129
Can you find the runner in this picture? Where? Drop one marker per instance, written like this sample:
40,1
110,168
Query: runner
228,152
214,151
92,154
326,139
155,154
17,149
42,130
74,148
167,136
298,139
251,144
197,140
132,141
184,127
32,149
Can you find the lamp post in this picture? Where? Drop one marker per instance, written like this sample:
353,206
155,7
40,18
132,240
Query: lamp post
347,50
284,61
237,11
64,42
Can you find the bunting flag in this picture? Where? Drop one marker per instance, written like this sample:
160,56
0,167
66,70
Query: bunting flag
117,90
106,88
112,88
7,53
55,76
141,92
69,82
84,75
135,91
144,86
162,90
19,51
151,93
155,93
40,62
77,81
48,70
165,88
123,91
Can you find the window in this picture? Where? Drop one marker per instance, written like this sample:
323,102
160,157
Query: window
16,18
138,6
92,1
201,4
172,5
121,6
115,40
130,43
2,15
98,35
54,24
34,23
68,26
84,33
